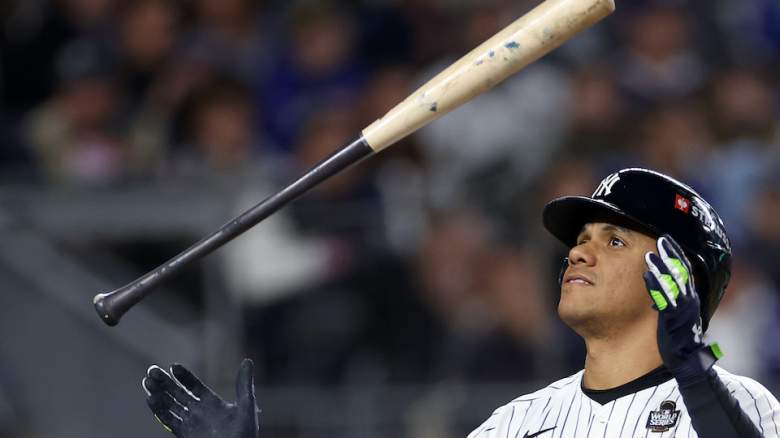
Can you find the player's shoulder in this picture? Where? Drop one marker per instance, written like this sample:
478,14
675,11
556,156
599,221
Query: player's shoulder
735,382
754,399
552,389
528,404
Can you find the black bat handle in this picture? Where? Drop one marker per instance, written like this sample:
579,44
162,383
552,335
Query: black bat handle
112,305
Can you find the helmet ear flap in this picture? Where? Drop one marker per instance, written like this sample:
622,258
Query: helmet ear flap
562,271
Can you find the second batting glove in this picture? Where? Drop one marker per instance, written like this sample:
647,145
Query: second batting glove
189,409
671,285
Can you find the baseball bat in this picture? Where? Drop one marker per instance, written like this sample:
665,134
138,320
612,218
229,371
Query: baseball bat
527,39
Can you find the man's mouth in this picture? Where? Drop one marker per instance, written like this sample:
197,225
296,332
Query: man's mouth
577,279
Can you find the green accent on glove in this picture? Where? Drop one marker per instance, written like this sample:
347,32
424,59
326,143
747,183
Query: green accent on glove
681,267
659,299
163,424
716,350
671,285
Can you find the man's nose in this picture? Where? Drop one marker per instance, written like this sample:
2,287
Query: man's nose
581,254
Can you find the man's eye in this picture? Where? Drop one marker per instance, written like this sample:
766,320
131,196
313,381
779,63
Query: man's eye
616,241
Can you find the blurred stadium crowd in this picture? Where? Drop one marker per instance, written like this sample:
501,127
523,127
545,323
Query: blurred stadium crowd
429,262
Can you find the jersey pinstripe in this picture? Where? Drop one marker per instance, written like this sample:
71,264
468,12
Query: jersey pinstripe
562,410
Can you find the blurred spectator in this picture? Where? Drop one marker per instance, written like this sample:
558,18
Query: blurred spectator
744,117
160,123
367,326
568,174
762,226
521,343
221,136
88,15
386,88
308,244
148,31
743,316
317,67
325,261
449,274
448,260
507,135
234,35
752,29
598,119
352,193
750,312
326,131
670,138
34,32
658,62
432,29
743,107
490,300
399,170
386,36
74,135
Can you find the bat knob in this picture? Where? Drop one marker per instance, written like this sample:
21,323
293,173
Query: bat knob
104,311
111,306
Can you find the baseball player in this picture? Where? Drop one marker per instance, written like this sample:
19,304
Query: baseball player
641,238
649,261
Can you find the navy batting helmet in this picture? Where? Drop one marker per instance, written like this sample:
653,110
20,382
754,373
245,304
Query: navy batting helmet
656,204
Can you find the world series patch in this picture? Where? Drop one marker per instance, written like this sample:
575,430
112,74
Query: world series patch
664,418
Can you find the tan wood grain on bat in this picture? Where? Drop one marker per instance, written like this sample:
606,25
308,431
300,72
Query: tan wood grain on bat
536,33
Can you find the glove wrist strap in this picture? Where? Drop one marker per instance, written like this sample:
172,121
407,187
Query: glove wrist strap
697,367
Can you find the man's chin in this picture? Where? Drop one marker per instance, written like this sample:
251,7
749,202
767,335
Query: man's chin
580,319
589,322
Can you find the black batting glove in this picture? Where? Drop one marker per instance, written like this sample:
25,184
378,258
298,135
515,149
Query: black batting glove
680,336
189,409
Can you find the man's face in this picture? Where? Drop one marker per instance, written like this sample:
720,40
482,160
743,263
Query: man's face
602,290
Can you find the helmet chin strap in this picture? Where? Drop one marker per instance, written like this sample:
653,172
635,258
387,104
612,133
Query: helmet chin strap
562,272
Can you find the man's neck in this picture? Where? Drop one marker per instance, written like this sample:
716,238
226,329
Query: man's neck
620,358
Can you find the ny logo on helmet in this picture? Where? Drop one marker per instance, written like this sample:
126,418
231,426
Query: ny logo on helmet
605,187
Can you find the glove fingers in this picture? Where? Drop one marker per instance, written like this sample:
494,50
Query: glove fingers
163,380
190,382
143,385
172,403
151,386
655,291
245,386
676,248
169,420
676,264
663,278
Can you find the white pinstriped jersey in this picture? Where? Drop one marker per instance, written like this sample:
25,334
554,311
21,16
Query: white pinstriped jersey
562,410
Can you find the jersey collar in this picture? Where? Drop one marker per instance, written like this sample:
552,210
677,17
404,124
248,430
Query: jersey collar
656,377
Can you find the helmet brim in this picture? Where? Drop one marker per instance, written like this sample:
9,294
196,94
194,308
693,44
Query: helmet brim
565,217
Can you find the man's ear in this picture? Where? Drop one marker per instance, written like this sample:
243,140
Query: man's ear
562,271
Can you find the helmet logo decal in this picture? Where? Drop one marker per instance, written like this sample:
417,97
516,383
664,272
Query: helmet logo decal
682,204
701,211
605,186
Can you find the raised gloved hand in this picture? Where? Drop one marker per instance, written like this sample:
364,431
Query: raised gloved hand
671,285
189,409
